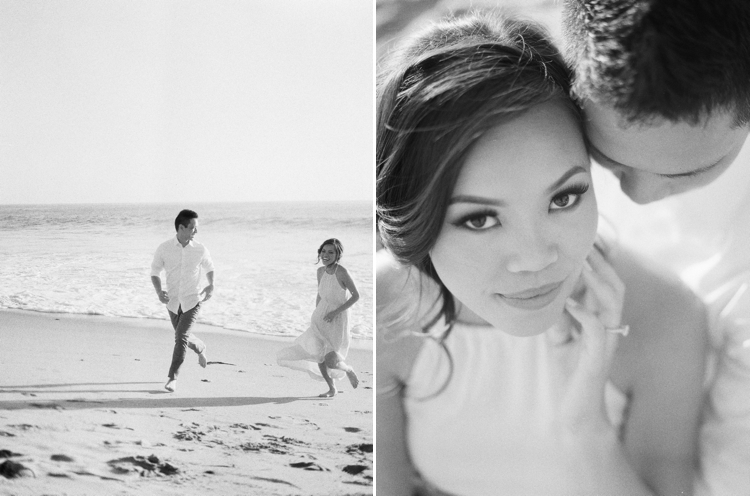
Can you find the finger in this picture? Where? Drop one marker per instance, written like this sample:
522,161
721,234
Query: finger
583,316
597,343
605,294
607,302
604,269
593,335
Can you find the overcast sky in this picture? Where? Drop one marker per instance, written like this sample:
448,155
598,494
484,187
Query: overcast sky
185,100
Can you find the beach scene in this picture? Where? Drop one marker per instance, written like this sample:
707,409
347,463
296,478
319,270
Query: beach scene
118,116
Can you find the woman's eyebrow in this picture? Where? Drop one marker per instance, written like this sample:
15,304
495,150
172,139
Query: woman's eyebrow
479,200
576,169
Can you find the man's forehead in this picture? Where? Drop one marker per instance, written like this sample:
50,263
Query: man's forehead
662,146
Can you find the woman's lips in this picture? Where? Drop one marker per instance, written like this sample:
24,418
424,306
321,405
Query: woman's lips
535,298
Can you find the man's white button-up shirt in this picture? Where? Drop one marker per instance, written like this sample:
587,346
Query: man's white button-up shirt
183,267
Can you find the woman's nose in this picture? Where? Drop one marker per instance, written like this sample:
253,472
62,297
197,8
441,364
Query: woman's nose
532,253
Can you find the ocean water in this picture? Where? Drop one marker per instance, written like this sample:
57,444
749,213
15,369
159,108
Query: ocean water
96,259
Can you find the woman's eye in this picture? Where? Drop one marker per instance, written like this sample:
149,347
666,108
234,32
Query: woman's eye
480,222
568,198
564,200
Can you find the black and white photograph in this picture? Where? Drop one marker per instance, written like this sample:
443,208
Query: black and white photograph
186,236
562,273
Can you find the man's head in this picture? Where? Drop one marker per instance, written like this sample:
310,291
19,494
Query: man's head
186,225
665,85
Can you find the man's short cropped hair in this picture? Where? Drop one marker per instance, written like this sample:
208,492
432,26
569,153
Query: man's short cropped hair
184,218
677,59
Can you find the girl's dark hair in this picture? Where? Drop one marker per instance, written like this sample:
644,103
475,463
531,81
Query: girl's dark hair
436,97
336,246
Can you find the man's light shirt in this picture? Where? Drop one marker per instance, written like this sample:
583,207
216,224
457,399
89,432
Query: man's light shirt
183,267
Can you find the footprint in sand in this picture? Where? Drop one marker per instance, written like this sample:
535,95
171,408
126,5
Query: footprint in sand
11,470
309,466
150,465
247,427
355,469
359,448
352,429
112,425
61,458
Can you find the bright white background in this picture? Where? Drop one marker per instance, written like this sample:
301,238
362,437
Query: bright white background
192,100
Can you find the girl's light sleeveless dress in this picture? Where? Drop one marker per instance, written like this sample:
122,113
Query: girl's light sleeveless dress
321,337
483,426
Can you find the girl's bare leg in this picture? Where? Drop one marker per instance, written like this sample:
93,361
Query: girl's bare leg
331,388
335,361
350,374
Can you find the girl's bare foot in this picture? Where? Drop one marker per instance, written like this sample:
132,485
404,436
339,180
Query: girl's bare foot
171,385
353,379
330,394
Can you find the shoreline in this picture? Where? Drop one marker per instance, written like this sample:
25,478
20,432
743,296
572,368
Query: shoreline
356,343
82,406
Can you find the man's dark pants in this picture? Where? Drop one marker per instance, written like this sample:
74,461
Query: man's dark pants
183,339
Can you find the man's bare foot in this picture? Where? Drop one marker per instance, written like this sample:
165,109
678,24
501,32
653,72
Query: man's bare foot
330,394
353,379
202,360
171,385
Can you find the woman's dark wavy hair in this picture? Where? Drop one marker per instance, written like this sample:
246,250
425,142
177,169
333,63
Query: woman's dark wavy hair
436,97
337,246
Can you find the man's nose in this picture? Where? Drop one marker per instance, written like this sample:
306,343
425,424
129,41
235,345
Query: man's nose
644,188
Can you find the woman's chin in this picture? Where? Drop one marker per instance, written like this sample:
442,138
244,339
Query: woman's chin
530,323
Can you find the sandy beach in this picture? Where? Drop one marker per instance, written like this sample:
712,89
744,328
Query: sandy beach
84,410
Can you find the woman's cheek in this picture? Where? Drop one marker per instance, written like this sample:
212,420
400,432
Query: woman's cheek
461,258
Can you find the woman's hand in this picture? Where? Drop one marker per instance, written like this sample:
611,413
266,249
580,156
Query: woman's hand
582,406
330,316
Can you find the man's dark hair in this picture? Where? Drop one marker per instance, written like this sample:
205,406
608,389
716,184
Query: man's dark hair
184,218
677,59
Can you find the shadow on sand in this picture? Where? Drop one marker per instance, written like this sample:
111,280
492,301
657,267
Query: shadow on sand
82,404
159,401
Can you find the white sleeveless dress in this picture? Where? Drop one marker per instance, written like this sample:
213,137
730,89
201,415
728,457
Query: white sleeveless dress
490,422
321,337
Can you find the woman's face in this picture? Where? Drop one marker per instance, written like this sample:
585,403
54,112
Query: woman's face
328,255
520,222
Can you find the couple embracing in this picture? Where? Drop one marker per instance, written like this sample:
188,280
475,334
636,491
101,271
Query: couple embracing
519,350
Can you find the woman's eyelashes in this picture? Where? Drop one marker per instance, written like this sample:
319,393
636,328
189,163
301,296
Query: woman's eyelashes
478,221
569,197
486,219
